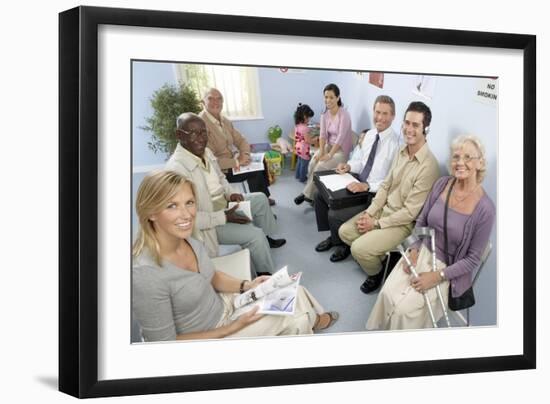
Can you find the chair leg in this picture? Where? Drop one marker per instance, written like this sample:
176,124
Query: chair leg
388,256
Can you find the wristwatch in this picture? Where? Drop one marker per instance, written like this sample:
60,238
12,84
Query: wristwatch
241,287
442,274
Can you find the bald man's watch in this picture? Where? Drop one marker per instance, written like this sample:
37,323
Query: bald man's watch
442,274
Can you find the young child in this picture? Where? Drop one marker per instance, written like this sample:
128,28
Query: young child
302,139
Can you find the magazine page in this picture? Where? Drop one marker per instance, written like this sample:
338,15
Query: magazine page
243,209
256,164
275,296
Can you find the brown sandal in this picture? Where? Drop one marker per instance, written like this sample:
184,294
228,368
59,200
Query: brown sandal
333,316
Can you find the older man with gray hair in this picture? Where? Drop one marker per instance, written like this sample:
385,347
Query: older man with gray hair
216,223
229,146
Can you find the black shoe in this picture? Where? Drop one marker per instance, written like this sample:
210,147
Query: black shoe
263,274
324,245
372,283
299,199
276,243
341,253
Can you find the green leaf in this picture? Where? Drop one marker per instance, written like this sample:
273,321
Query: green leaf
168,102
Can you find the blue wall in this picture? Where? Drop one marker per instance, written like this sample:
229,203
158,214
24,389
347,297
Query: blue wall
147,77
280,94
455,111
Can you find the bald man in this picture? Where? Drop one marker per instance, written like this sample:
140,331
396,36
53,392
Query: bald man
229,146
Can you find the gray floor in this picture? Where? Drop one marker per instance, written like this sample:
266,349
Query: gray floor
335,285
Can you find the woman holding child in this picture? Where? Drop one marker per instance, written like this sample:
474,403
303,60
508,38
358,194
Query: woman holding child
335,140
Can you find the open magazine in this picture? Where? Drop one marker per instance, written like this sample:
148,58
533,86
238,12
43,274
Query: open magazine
277,295
244,208
256,164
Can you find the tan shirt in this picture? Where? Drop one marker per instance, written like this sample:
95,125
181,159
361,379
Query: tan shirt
212,181
224,140
207,216
405,189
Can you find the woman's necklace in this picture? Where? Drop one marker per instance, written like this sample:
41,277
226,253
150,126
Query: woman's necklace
460,199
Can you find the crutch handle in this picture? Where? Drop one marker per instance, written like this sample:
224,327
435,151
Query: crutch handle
408,242
421,232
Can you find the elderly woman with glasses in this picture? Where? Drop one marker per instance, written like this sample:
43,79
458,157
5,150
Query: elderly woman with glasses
470,217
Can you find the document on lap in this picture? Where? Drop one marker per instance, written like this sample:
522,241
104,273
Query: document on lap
276,296
256,164
335,182
243,209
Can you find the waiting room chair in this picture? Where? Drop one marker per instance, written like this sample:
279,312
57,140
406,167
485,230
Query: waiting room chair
389,259
243,185
236,264
457,315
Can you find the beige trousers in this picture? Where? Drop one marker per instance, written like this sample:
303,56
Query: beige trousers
369,248
305,314
399,306
316,165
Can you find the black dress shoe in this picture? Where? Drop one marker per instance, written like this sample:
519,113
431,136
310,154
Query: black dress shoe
341,253
324,245
299,199
372,283
276,243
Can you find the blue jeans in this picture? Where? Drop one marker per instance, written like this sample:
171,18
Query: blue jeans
301,169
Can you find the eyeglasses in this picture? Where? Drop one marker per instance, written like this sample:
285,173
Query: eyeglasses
195,134
466,158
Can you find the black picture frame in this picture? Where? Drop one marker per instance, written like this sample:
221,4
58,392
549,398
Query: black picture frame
78,200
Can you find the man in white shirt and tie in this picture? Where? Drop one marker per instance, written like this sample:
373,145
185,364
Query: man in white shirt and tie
371,161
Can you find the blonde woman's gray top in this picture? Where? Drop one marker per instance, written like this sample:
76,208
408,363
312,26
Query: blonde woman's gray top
168,300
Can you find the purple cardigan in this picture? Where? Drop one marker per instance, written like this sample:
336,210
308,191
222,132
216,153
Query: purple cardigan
344,136
477,231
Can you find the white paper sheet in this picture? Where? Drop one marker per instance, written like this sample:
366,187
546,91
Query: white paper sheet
335,182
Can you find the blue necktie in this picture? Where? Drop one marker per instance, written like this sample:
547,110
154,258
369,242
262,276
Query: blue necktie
370,161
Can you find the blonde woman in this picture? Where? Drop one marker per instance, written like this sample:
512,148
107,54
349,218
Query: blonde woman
470,218
177,293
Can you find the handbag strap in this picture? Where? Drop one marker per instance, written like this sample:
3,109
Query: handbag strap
445,221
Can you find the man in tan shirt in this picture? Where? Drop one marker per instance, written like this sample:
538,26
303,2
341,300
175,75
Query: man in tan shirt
229,145
390,217
216,223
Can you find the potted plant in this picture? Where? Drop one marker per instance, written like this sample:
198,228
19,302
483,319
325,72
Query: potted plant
168,103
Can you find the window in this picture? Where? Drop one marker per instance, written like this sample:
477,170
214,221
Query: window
239,86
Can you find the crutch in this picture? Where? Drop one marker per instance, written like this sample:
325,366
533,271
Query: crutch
422,232
402,249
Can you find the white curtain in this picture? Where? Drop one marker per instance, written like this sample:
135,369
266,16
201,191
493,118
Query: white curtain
239,86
